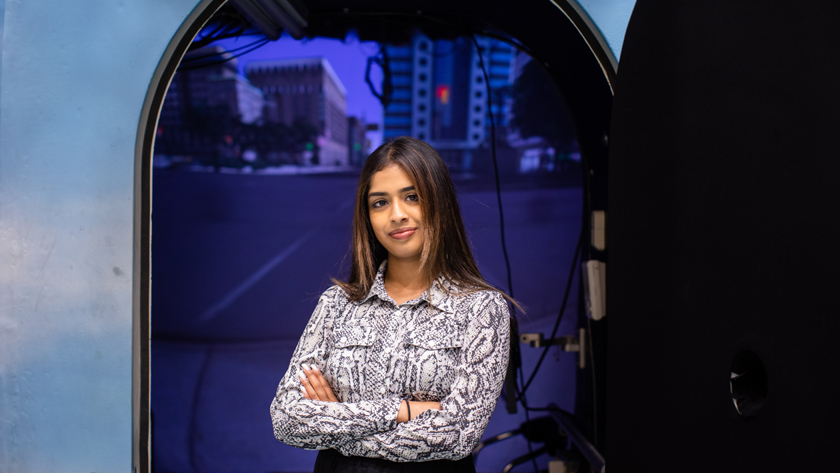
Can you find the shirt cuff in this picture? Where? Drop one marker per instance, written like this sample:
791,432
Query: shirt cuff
391,412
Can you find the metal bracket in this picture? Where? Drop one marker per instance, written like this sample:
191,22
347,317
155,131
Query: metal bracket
568,343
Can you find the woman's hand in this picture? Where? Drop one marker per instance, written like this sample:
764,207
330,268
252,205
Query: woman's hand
315,387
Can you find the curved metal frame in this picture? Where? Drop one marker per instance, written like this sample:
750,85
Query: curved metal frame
144,146
593,37
567,423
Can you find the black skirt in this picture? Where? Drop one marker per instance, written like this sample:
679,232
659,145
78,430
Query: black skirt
330,461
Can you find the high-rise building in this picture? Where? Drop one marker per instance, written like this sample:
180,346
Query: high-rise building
306,88
440,95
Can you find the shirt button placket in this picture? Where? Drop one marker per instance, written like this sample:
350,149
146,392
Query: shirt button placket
393,324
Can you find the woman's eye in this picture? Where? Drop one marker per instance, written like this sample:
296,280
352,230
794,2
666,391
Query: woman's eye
377,204
412,198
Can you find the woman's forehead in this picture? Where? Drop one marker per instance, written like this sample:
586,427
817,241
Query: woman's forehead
390,179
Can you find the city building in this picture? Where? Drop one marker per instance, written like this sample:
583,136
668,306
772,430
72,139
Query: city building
439,93
306,88
206,83
208,78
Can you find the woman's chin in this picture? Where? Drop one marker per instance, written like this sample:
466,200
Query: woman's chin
404,256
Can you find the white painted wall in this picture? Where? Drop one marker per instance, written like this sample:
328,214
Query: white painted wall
74,78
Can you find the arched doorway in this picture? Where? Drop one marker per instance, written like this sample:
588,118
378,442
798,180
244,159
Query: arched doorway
581,69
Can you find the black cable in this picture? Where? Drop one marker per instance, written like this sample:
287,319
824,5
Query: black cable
514,349
501,212
205,56
216,63
594,392
520,394
559,316
495,167
527,419
192,432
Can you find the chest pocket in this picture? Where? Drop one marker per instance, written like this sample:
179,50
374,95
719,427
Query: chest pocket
433,354
352,346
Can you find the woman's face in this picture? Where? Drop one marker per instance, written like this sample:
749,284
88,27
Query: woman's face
395,214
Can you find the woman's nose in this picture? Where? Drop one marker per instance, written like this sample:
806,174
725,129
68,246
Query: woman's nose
398,212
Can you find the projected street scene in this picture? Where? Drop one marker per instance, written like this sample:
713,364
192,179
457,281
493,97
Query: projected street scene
257,155
274,111
284,112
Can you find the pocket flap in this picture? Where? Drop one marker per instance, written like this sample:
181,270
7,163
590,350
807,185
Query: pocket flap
356,335
436,338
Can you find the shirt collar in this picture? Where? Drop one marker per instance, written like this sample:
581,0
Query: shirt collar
378,287
439,295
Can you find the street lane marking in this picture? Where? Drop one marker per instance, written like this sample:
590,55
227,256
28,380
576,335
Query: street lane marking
247,284
243,287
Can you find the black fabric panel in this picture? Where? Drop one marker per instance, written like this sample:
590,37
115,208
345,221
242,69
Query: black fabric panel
723,236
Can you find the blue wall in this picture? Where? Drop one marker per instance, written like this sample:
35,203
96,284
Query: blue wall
611,18
73,79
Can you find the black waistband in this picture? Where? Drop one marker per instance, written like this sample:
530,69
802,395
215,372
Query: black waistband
330,461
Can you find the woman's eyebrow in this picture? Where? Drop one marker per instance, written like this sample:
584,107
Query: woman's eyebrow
382,194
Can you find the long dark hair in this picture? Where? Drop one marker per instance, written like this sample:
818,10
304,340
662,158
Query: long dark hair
445,250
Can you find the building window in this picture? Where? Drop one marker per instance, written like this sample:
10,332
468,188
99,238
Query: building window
423,61
421,92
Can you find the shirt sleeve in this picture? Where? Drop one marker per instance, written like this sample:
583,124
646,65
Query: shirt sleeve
453,432
309,424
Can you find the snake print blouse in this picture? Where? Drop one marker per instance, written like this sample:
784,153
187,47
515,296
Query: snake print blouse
439,347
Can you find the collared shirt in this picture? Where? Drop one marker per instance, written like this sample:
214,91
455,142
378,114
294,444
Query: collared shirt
442,346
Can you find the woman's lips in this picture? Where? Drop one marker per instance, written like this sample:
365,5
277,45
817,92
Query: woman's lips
402,233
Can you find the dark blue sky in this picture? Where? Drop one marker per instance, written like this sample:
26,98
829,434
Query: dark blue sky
348,58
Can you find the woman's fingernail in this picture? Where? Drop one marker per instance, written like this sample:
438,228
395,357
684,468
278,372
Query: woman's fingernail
306,367
315,369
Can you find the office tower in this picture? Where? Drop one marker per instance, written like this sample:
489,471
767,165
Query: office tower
439,94
309,89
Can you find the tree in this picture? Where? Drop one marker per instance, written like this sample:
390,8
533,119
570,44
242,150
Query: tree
539,110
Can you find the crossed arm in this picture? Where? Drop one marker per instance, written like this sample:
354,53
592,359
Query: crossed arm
316,388
307,414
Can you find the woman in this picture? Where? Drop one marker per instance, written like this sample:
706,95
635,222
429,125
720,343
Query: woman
404,362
